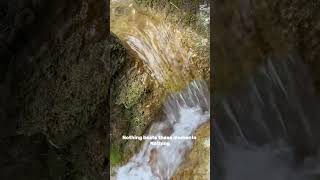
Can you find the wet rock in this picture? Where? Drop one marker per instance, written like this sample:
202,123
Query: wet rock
197,162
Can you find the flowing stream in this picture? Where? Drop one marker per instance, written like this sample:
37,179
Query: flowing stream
184,113
165,53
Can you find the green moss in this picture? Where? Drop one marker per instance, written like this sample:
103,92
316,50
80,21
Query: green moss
137,122
132,94
115,155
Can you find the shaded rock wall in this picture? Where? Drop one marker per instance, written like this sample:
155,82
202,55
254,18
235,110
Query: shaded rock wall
54,81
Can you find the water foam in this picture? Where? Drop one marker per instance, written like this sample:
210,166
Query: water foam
184,112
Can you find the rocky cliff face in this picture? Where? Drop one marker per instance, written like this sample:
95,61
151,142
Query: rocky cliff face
55,85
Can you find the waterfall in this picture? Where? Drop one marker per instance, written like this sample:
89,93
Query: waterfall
168,54
167,50
184,112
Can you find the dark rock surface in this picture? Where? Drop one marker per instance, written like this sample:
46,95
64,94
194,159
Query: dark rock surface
54,81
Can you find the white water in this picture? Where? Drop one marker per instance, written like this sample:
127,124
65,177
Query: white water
184,112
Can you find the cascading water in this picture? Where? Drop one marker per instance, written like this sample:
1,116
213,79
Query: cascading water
184,113
169,59
167,50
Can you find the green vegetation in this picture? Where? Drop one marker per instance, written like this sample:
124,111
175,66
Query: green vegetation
131,92
115,155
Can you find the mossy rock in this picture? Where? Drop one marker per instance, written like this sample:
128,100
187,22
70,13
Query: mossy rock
63,94
135,98
115,155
